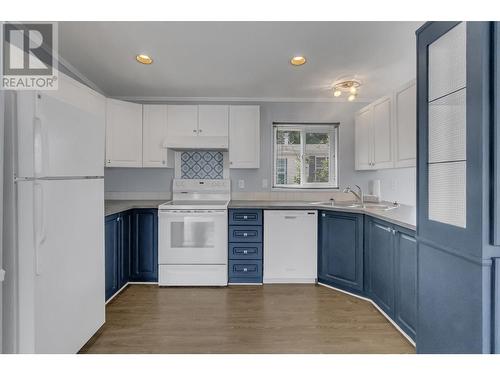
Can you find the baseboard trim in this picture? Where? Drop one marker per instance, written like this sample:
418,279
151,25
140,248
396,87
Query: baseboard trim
116,294
410,340
286,280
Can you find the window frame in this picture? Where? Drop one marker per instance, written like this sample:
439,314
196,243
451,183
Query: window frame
303,128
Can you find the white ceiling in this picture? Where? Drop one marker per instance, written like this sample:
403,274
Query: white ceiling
245,60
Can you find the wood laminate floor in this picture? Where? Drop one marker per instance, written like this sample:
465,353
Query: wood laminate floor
243,319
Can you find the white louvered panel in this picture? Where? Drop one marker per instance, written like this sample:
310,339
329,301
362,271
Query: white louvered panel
447,135
447,193
447,66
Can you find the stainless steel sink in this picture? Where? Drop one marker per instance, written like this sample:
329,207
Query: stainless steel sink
381,206
338,204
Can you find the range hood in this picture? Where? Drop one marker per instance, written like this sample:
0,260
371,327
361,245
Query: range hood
197,143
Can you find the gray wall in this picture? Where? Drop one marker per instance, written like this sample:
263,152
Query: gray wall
396,184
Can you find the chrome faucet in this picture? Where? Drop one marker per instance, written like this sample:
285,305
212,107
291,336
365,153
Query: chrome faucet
357,195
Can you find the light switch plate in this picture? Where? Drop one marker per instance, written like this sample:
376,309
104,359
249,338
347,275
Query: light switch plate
264,183
241,184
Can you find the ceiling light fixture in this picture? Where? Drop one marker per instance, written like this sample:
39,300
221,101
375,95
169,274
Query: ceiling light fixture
144,59
349,86
298,60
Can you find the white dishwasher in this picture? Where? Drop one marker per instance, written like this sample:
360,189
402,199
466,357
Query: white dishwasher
290,246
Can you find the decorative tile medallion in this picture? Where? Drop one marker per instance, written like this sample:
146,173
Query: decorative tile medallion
207,165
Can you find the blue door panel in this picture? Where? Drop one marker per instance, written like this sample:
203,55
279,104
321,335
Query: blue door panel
406,282
340,252
380,254
125,245
111,249
144,259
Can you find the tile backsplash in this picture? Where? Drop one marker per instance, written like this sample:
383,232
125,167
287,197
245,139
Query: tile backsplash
202,165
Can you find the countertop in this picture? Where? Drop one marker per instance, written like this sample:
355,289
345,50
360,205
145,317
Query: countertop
114,206
404,216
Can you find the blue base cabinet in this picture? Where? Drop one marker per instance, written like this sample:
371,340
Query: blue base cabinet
144,256
131,248
111,248
245,246
380,260
391,271
405,308
340,250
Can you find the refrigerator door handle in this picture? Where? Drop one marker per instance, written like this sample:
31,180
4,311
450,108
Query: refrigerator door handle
40,148
39,223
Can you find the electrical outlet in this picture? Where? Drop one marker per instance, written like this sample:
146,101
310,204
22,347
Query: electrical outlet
264,183
241,184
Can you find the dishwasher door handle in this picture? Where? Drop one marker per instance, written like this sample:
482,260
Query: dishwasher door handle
290,217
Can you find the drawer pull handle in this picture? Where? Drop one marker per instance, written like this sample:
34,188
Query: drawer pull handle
245,251
245,234
245,217
245,269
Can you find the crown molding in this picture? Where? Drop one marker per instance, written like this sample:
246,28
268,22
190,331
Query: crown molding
166,99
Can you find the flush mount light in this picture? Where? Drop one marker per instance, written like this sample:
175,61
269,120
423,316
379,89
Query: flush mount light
298,60
144,59
349,86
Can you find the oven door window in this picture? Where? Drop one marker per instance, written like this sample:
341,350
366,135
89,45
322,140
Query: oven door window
192,233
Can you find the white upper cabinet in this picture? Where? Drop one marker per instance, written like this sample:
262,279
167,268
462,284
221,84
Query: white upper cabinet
154,134
373,136
363,138
244,136
182,120
123,134
385,131
382,134
213,120
405,146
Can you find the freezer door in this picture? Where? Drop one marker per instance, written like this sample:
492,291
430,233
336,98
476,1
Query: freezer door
61,132
61,260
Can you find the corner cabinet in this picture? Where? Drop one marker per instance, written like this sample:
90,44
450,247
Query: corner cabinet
385,131
244,136
144,251
117,252
391,271
123,134
131,249
340,250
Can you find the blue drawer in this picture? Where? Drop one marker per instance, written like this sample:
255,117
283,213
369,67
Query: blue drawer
245,217
250,233
244,269
245,251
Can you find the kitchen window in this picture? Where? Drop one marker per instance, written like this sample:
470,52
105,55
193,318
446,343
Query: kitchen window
305,155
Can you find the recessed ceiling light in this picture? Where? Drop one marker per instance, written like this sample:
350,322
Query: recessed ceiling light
298,60
144,59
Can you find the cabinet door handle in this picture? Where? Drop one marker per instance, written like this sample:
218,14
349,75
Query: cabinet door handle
200,130
194,130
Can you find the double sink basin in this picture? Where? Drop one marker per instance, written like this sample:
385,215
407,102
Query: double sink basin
373,206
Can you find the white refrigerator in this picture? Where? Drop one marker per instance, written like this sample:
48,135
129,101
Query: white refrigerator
55,275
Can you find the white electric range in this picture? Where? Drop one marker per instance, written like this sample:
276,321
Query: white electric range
192,246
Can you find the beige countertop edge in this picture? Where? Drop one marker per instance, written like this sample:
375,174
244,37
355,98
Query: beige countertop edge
404,216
